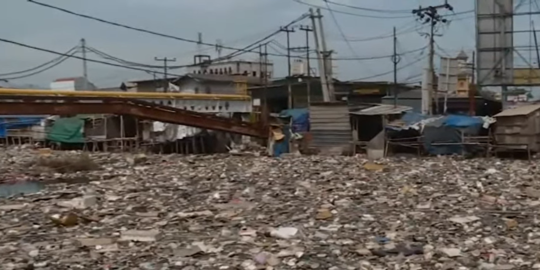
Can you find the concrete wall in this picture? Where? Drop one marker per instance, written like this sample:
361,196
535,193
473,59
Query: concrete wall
207,87
193,87
250,69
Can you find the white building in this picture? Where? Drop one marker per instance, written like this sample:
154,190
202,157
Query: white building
72,84
237,67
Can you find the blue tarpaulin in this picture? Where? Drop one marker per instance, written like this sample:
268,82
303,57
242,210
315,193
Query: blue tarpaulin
282,146
462,121
300,119
441,135
407,120
16,123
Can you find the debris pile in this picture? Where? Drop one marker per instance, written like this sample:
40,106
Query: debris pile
296,212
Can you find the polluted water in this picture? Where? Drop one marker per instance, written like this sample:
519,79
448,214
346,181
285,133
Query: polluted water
14,189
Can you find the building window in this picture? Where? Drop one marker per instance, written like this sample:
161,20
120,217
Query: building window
254,73
230,70
211,71
196,90
208,90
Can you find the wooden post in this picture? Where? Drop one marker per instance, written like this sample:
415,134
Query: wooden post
137,133
202,144
105,144
194,144
122,133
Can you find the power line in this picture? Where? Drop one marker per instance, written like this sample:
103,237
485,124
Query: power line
369,16
368,9
244,50
379,57
341,31
350,13
81,58
41,65
422,57
234,54
389,72
405,30
62,59
120,60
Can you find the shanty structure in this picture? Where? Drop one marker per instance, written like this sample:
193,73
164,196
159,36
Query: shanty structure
519,128
330,126
368,125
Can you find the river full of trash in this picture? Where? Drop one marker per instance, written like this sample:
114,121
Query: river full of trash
245,211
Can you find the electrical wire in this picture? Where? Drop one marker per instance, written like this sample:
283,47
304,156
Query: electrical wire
446,54
131,63
379,57
119,60
41,65
82,58
420,58
62,59
369,9
388,72
234,54
343,34
341,30
237,50
370,16
232,42
352,14
406,30
405,59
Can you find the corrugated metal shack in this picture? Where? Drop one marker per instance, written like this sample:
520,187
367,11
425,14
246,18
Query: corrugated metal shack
519,128
368,124
331,127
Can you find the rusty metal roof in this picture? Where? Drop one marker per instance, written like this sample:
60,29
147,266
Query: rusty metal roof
519,111
383,109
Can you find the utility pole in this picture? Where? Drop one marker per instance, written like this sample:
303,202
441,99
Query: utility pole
472,92
307,65
327,59
395,59
307,29
430,15
322,69
288,31
265,110
85,68
165,67
536,46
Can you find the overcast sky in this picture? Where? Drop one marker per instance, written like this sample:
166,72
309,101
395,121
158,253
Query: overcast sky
235,22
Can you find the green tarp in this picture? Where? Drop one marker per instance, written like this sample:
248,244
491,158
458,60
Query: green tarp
67,130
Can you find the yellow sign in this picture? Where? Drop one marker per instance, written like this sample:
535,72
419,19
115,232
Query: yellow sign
367,91
527,76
